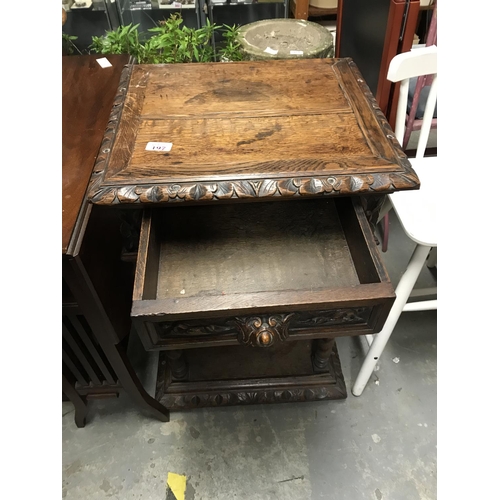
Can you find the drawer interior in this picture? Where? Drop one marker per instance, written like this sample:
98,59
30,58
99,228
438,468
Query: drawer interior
251,248
194,253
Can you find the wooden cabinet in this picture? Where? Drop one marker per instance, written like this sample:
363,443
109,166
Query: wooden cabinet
266,287
255,252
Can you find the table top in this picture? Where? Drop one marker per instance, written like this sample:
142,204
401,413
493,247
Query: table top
88,92
271,129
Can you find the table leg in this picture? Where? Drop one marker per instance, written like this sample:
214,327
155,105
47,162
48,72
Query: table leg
77,400
322,354
177,362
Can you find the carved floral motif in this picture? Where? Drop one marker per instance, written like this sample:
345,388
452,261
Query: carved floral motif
262,188
263,331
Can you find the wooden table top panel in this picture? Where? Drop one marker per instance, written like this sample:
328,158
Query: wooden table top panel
238,150
182,90
88,92
299,127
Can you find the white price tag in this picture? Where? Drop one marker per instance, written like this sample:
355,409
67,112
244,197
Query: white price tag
269,50
158,146
296,52
177,5
104,63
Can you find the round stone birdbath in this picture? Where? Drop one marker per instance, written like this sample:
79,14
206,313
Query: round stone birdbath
285,39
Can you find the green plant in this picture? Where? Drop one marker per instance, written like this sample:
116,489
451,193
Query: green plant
231,49
169,42
68,46
123,40
173,43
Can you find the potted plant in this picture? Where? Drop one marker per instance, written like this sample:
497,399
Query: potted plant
170,42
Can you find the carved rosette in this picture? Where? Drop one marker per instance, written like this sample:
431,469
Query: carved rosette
263,331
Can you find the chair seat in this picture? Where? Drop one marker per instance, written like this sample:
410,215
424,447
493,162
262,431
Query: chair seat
416,210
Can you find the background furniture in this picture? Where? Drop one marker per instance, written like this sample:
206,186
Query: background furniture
147,13
302,9
96,288
413,120
245,299
93,20
372,32
242,12
416,210
417,98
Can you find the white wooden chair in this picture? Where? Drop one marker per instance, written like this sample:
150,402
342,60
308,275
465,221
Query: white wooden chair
416,210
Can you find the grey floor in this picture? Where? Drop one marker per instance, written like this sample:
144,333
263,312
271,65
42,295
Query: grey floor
381,445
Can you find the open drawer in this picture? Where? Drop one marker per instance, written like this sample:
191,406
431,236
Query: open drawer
258,274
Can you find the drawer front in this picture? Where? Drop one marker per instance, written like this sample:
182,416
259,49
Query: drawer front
258,275
260,330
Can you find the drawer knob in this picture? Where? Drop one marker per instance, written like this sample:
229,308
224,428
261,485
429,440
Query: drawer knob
263,331
265,338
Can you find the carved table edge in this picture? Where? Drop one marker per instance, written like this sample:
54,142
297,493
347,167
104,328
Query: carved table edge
263,188
342,185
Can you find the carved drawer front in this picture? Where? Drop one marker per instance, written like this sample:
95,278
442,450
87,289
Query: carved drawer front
258,274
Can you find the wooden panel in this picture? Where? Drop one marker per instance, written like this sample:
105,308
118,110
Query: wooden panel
214,379
239,89
88,92
242,362
318,132
239,149
245,303
252,248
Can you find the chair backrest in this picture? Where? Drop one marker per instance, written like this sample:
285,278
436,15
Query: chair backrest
420,88
417,62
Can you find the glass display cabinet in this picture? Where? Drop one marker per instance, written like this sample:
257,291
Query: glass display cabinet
88,18
240,12
147,13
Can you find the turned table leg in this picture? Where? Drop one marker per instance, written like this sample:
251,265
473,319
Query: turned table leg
322,354
177,362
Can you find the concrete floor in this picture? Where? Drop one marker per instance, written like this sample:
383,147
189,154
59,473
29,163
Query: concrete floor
381,445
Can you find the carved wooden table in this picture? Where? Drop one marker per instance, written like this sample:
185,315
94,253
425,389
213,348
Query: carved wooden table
244,299
96,296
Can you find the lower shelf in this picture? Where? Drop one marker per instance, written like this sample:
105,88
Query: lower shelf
240,375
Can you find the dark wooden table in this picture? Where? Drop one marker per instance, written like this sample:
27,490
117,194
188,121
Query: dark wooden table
96,292
245,299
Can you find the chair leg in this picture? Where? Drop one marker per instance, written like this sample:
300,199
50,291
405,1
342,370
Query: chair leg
385,241
384,216
403,290
432,260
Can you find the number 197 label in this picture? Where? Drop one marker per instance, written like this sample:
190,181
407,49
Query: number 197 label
158,146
